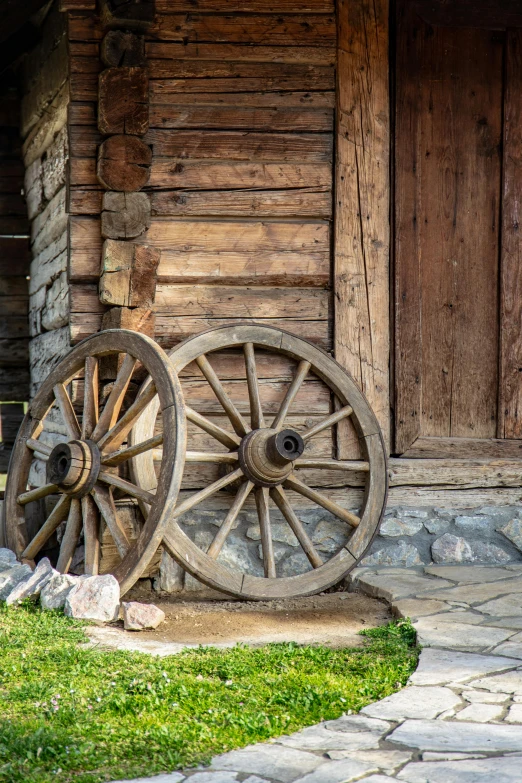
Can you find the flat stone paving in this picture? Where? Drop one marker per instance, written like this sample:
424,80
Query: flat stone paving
459,719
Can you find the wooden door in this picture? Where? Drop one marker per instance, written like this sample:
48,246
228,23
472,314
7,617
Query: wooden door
458,357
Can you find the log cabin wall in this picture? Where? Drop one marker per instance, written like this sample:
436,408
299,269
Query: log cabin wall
14,269
241,126
44,86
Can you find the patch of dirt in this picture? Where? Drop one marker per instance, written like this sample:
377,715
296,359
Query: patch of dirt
332,619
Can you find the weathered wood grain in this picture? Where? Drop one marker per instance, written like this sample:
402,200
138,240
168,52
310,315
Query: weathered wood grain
235,145
230,175
221,52
249,118
135,15
123,101
169,77
121,49
245,6
362,231
510,380
125,215
124,163
128,275
297,203
447,232
462,448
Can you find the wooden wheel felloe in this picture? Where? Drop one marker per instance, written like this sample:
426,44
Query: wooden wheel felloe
264,461
82,472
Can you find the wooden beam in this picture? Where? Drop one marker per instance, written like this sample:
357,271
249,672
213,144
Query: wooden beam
510,381
362,202
460,448
455,472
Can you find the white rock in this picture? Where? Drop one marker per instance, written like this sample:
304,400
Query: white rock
320,738
459,635
451,549
33,585
478,593
356,723
387,760
484,697
481,713
379,779
402,554
390,587
9,579
469,574
171,576
141,617
413,702
515,714
342,771
435,756
94,598
507,606
458,615
56,591
7,559
442,666
281,532
509,682
510,649
500,770
212,777
392,526
462,737
269,761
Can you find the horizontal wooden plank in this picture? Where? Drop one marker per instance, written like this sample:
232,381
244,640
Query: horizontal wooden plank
238,117
455,472
281,262
171,331
172,173
14,226
222,52
242,6
77,5
14,384
14,351
177,76
280,203
318,99
208,175
219,301
83,113
464,448
12,286
273,29
220,145
84,27
254,268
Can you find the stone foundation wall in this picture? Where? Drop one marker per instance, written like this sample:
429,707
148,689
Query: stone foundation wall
408,537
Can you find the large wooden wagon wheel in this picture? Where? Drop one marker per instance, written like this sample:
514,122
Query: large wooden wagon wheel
266,458
82,468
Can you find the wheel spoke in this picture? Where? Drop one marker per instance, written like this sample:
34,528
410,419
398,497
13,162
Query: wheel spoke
90,397
267,545
329,422
228,439
42,449
222,534
105,502
67,411
117,434
333,464
256,412
279,497
127,486
57,515
71,537
91,534
36,494
206,456
117,457
300,375
110,413
238,423
205,493
317,497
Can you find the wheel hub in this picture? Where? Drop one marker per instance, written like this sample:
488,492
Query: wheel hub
74,467
267,456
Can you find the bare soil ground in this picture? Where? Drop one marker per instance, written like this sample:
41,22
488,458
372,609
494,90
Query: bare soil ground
332,619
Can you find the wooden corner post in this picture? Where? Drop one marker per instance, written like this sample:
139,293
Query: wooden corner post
362,201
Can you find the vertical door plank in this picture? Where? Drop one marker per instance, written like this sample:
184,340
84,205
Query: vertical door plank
362,230
449,112
510,397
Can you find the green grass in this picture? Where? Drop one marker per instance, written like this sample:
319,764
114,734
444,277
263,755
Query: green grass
69,713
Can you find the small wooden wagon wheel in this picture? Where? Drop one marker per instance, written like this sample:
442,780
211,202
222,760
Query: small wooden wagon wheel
82,467
266,458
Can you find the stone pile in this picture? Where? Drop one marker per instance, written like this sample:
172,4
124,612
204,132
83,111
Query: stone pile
94,598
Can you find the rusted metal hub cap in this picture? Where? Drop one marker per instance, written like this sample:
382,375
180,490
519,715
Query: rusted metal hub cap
74,467
267,456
